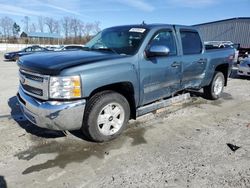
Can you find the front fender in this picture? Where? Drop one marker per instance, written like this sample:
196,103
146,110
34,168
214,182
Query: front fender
102,76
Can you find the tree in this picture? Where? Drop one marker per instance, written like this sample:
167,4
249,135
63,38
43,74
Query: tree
6,24
57,28
96,27
66,26
41,24
26,22
33,27
16,29
52,24
75,26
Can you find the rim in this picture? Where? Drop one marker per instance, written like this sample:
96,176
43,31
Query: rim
218,86
111,119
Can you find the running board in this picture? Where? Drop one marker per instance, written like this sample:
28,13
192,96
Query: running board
162,104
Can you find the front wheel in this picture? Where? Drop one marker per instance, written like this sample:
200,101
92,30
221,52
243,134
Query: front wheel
106,116
214,90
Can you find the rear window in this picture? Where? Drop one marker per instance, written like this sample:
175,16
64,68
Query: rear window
191,42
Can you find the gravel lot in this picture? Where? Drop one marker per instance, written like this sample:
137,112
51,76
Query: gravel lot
184,146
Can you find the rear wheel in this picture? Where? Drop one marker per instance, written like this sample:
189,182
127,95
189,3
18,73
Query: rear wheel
214,90
106,116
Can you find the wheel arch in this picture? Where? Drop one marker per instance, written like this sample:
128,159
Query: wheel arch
223,68
124,88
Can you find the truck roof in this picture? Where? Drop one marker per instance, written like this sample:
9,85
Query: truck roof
151,26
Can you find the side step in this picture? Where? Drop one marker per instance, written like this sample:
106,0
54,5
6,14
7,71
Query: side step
162,104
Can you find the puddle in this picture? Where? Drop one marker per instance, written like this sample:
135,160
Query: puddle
72,151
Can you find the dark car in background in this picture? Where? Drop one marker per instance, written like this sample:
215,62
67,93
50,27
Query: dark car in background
71,48
244,67
26,51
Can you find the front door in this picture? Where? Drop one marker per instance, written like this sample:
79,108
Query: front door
160,76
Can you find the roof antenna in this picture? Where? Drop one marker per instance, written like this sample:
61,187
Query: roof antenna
143,22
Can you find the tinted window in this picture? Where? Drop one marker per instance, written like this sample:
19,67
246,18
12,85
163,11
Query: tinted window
37,49
191,42
165,38
28,49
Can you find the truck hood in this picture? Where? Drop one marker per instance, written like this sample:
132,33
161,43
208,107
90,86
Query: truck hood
51,63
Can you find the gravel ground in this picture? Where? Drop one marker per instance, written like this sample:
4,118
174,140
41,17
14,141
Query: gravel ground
183,146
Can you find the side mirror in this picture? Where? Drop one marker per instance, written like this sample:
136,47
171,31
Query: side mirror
157,50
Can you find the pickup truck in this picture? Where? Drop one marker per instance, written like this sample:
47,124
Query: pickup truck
121,71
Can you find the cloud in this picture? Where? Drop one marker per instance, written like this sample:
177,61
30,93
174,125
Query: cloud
18,11
62,9
138,4
193,3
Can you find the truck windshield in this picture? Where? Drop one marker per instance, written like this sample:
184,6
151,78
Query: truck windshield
120,40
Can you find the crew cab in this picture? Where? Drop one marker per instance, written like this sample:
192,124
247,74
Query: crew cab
122,70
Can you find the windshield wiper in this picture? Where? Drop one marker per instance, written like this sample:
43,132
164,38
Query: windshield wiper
104,49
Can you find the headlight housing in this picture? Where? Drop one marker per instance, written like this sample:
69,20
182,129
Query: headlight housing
67,87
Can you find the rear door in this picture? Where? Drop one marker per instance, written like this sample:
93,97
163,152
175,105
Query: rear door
160,76
193,60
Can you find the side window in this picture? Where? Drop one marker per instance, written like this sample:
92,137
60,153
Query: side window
28,49
36,49
165,38
191,42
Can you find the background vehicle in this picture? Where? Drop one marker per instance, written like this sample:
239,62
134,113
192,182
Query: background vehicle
209,45
70,47
26,51
244,67
123,73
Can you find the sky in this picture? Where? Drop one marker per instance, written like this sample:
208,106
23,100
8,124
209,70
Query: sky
119,12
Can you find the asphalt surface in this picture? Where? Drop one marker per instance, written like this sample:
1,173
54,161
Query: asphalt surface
186,145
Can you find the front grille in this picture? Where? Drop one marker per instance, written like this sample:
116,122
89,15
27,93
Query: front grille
34,84
33,77
32,90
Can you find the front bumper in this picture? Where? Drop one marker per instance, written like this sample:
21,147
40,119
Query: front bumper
243,71
53,115
9,57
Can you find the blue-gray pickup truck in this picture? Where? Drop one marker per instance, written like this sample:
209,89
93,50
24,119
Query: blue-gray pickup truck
121,71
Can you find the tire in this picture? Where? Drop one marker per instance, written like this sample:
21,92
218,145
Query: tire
16,58
214,90
106,116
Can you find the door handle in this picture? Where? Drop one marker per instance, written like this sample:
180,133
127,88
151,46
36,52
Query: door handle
202,61
175,64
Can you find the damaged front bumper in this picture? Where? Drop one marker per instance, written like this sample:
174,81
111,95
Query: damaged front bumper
53,115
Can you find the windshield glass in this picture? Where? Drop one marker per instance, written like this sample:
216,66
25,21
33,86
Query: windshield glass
120,40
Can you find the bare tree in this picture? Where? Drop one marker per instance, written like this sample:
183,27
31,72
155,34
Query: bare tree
57,27
41,24
26,22
96,27
87,29
52,24
32,27
75,26
66,26
6,24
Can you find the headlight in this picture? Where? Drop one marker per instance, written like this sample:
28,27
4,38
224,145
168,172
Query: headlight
67,87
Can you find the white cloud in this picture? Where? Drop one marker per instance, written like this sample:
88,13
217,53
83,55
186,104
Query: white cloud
62,9
193,3
14,10
138,4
